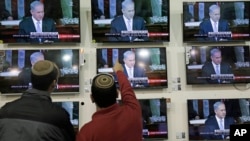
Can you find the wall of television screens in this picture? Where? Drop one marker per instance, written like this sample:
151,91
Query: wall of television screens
158,32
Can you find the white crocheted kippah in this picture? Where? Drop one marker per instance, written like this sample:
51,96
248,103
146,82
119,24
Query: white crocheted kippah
104,81
42,67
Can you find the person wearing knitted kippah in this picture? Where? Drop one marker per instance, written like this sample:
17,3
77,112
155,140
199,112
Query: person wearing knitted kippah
111,121
33,116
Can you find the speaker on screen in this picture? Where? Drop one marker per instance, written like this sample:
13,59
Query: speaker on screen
113,21
58,23
216,21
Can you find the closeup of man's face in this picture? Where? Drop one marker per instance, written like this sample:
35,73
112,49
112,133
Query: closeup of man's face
129,11
221,111
216,58
130,60
38,12
215,15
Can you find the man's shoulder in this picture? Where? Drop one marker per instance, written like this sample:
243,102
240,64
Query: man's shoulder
48,19
223,21
207,64
210,119
225,64
138,18
205,22
117,19
26,20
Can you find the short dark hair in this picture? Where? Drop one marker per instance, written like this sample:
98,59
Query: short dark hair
34,4
214,50
43,73
104,91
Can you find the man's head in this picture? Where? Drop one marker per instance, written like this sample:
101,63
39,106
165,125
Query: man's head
104,91
128,9
35,57
37,10
44,75
216,56
129,58
214,12
220,109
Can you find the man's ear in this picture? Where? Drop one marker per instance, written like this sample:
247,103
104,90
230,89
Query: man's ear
52,85
92,99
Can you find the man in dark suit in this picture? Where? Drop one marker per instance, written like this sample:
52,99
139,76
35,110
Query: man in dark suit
219,122
132,71
24,76
216,67
214,25
127,22
36,23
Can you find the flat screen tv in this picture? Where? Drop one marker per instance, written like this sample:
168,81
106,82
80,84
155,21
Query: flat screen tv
72,107
233,64
61,22
15,69
216,21
150,21
202,113
148,65
154,118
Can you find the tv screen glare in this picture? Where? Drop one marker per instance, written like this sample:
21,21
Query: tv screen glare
202,62
202,124
15,69
148,21
72,107
60,24
144,67
216,21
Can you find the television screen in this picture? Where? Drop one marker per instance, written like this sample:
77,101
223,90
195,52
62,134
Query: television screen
216,21
202,115
154,118
15,69
58,21
121,21
217,64
72,107
144,67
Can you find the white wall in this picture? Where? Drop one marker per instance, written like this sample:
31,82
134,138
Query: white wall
177,112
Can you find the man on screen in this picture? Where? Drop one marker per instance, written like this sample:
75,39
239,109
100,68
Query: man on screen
216,67
214,25
24,75
133,71
37,23
128,22
216,126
